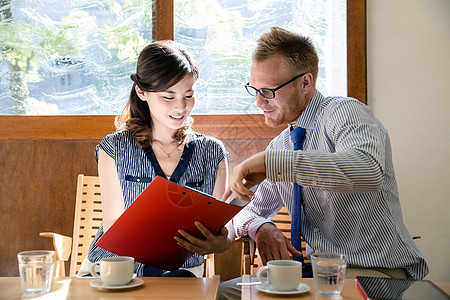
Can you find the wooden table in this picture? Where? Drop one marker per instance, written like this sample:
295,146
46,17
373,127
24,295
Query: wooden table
153,288
350,291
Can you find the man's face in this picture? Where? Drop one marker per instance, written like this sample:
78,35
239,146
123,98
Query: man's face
289,101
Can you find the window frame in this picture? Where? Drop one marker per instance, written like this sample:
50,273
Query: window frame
94,127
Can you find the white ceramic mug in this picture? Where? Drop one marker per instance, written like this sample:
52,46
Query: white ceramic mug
114,270
284,275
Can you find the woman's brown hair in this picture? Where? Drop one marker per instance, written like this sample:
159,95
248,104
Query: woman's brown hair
160,65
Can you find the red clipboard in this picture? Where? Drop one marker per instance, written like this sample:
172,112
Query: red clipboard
146,229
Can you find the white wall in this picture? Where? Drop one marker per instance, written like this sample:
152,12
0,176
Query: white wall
409,90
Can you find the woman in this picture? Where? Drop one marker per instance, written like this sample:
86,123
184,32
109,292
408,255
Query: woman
154,137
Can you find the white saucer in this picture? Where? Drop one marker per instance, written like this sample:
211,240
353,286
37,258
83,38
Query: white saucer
98,283
267,288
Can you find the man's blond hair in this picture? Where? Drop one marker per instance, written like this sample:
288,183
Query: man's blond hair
299,51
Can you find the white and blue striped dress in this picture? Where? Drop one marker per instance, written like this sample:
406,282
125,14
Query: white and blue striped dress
136,169
350,196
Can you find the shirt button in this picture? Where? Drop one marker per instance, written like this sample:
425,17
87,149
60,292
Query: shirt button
314,182
279,175
138,179
316,230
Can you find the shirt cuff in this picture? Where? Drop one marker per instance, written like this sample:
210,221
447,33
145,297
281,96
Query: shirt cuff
256,223
280,165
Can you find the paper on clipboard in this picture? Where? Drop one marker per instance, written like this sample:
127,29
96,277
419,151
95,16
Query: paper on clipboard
146,229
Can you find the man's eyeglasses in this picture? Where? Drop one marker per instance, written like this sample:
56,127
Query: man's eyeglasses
266,92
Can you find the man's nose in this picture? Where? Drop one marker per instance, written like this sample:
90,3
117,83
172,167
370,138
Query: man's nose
260,100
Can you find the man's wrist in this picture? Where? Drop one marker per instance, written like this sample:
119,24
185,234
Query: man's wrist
259,223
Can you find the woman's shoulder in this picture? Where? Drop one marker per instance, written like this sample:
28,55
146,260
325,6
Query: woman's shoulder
200,138
209,147
118,135
115,139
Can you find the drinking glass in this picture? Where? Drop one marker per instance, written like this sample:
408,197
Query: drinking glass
329,273
36,271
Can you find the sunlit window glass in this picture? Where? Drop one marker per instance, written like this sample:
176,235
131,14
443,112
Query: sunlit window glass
75,57
222,34
69,57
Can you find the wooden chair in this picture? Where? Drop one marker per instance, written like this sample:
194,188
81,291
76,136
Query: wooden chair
251,260
88,217
228,264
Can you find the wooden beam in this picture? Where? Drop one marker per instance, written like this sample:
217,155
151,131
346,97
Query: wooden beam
87,127
163,22
31,128
356,50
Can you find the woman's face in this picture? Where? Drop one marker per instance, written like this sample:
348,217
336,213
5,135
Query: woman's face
171,107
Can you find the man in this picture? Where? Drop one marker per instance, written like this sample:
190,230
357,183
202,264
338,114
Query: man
349,193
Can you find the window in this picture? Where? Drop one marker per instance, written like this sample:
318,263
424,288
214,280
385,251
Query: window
88,127
71,57
75,59
223,33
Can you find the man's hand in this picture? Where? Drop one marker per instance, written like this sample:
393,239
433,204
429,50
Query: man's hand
245,175
272,244
212,244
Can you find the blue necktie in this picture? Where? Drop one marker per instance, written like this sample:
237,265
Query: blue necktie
297,136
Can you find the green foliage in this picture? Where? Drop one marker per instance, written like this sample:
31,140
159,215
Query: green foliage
26,47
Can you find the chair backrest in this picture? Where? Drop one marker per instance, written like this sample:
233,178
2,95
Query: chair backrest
88,217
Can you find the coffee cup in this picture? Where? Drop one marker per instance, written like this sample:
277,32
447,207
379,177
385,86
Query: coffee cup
114,270
283,275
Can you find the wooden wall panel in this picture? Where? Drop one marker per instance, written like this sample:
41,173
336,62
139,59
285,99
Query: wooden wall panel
36,128
38,181
37,193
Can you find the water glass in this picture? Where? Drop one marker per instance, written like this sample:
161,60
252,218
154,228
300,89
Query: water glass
36,271
329,273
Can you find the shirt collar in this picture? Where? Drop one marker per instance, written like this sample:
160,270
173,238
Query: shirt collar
308,116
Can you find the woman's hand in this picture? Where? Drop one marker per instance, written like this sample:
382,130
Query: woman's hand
211,244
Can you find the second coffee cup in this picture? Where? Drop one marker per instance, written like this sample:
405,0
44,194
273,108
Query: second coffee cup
283,275
115,270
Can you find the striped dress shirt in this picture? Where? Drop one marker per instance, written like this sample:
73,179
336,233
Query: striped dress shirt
349,190
136,171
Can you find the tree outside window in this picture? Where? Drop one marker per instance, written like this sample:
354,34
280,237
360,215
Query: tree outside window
75,57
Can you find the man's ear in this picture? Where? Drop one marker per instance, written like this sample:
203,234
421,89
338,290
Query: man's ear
307,81
140,93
